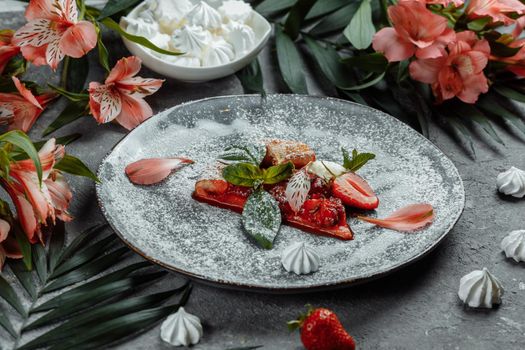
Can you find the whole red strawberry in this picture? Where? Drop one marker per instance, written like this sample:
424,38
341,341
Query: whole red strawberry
321,330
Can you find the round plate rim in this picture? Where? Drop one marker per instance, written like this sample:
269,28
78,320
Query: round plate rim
283,290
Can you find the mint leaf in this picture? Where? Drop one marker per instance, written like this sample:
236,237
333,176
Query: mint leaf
243,174
278,173
253,153
261,218
357,161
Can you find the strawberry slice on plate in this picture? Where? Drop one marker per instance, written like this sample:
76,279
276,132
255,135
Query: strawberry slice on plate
354,191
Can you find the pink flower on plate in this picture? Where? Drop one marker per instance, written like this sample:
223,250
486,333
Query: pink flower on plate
121,97
21,110
498,10
53,31
7,49
416,30
37,204
459,72
154,170
8,246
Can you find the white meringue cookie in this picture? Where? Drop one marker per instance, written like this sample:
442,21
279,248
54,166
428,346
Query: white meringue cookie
514,245
186,61
170,13
181,329
235,10
480,289
161,40
138,26
300,259
204,15
241,36
512,182
219,52
325,169
191,39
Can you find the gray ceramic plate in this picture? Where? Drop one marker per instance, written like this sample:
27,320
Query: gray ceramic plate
164,224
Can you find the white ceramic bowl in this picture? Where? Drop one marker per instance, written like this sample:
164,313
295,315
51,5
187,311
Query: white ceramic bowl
260,25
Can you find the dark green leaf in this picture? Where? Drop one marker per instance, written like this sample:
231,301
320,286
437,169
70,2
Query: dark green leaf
243,174
111,24
72,112
6,324
69,306
103,54
115,6
9,295
87,254
278,173
361,29
267,7
24,276
75,166
354,96
357,161
363,85
80,241
374,62
25,246
502,50
296,17
470,112
490,104
479,24
509,93
72,96
86,271
64,140
251,153
40,261
324,7
15,67
261,218
251,78
334,21
289,62
20,140
459,128
78,69
56,244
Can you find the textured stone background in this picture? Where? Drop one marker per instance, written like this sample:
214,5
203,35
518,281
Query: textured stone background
416,308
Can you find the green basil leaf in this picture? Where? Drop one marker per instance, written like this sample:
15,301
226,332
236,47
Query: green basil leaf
75,166
20,139
73,111
278,173
374,62
115,6
357,161
251,78
296,16
290,62
243,174
261,218
251,153
111,24
361,30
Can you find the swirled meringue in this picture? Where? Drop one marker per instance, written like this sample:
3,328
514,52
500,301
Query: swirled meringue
300,259
240,36
219,52
204,15
325,169
235,10
190,39
181,329
140,27
512,182
480,289
514,245
170,13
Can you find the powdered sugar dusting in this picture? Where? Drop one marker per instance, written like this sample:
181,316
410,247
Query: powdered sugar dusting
166,224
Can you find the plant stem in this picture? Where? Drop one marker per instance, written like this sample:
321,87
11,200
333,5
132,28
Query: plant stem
64,73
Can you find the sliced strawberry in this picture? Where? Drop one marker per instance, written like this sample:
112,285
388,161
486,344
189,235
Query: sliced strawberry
354,191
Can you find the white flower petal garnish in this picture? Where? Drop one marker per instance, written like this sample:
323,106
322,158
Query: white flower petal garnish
204,15
181,329
326,170
512,182
480,289
297,190
514,245
300,259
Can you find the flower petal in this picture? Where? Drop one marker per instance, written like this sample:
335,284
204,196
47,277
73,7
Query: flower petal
297,189
407,219
392,45
54,55
109,102
140,87
61,195
41,9
134,111
6,53
36,33
79,39
4,230
125,68
35,55
154,170
25,92
426,71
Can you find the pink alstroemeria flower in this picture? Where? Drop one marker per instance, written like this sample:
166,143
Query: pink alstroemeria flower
8,246
21,110
407,219
37,204
516,63
416,30
498,10
53,31
457,3
121,97
459,72
7,49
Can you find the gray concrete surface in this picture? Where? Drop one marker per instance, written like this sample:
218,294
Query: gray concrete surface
416,308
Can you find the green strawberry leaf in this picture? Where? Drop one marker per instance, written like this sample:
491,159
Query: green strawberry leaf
261,218
243,174
357,161
252,153
278,173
